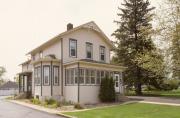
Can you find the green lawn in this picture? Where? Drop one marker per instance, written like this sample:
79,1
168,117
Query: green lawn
135,110
174,93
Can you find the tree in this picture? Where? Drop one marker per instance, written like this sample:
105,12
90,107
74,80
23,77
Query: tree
134,42
169,30
2,71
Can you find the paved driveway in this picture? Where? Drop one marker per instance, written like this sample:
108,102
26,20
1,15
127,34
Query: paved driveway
156,99
11,110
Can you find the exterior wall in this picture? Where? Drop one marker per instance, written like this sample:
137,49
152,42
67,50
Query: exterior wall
89,94
27,67
71,93
53,49
82,36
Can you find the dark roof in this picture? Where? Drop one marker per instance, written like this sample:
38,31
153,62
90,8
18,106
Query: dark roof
8,85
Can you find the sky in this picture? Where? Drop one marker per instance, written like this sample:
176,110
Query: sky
25,24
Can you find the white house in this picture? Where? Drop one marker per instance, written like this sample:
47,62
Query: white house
70,66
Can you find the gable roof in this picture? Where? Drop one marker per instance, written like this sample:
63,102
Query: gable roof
90,25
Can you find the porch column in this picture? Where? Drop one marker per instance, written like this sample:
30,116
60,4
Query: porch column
78,84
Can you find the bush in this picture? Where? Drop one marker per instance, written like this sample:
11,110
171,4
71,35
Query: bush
170,84
35,101
51,103
78,106
107,90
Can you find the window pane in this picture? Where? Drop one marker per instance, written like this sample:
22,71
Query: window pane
38,75
72,76
81,76
102,53
56,75
46,75
98,77
73,44
89,50
87,76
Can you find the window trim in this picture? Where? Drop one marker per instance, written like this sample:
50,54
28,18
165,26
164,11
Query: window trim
55,84
36,79
100,47
88,43
44,84
70,48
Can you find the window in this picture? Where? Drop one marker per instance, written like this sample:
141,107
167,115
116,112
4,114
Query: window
98,77
76,76
102,74
56,75
92,76
87,77
102,53
67,76
37,75
73,47
46,75
81,76
40,54
89,50
72,76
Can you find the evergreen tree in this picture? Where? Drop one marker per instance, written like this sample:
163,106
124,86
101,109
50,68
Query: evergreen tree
134,40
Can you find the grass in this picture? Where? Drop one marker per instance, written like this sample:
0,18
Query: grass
172,94
135,110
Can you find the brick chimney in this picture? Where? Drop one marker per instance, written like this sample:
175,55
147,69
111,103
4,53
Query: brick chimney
69,26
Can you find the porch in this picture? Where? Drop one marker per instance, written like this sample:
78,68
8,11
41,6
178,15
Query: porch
83,78
25,83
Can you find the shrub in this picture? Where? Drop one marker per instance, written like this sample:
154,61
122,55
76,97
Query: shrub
35,101
78,106
51,103
170,84
107,90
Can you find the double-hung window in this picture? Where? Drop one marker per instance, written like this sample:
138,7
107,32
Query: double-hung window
73,48
38,75
56,75
46,75
102,53
89,50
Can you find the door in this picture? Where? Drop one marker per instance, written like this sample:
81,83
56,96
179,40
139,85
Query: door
116,83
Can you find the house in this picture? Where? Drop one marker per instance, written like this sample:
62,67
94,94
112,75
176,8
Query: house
8,88
70,66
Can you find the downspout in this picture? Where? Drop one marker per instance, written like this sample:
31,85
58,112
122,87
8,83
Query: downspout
78,84
51,80
62,93
41,77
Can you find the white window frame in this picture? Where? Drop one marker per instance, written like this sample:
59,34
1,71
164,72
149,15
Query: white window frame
71,42
104,53
46,73
55,74
91,50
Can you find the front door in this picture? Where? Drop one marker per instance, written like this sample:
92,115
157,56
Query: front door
116,83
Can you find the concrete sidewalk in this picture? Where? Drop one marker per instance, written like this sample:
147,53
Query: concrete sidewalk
157,100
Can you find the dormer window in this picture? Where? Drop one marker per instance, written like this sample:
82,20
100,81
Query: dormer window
89,50
102,53
72,48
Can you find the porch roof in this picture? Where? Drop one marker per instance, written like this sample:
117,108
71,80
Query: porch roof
96,64
25,72
45,60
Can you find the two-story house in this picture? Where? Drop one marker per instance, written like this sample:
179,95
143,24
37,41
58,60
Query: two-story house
71,65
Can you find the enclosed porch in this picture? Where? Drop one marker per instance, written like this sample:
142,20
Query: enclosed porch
83,79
